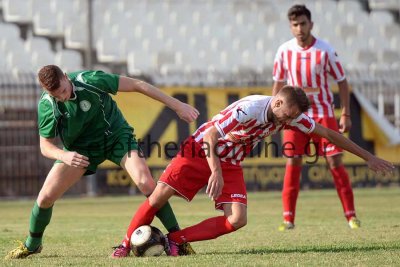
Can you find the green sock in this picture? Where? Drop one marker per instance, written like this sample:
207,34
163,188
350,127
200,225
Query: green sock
167,218
40,218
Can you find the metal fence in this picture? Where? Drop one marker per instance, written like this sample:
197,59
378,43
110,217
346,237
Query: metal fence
22,167
382,88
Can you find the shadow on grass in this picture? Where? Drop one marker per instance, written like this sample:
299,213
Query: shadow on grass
307,249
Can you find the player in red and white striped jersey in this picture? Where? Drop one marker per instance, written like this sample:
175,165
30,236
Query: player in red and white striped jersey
306,61
211,157
243,124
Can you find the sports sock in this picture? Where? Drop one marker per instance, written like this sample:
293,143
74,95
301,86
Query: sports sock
290,192
344,190
207,229
167,218
40,218
143,216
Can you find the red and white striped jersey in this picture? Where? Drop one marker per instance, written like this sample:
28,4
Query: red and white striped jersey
243,124
309,68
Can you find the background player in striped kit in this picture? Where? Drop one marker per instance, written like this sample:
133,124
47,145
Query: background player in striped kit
212,157
306,61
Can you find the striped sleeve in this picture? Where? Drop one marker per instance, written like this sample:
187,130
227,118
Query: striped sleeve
279,72
302,123
335,68
229,120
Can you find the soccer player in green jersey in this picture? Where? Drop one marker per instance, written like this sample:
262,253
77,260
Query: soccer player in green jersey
78,108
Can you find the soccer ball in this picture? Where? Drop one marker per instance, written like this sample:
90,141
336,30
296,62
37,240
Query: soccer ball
147,241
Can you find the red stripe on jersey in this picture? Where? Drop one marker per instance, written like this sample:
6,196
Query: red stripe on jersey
281,68
225,117
331,69
317,73
230,126
201,129
308,69
306,123
339,66
275,69
289,56
298,69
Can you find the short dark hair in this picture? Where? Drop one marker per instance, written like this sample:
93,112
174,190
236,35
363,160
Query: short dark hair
50,76
298,10
295,95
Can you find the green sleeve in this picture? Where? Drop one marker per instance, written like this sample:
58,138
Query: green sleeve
47,122
99,80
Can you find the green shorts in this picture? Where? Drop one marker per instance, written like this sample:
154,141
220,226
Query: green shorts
113,148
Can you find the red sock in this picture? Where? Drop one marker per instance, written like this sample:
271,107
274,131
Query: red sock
207,229
343,188
291,188
143,216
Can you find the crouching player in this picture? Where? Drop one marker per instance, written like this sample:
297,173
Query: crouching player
212,157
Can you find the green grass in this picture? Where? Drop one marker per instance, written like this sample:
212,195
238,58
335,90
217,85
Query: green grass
83,230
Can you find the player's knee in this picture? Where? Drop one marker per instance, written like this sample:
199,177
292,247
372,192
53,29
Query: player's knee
334,161
160,196
145,183
45,201
238,221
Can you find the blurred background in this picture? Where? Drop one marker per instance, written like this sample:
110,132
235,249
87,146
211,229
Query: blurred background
205,52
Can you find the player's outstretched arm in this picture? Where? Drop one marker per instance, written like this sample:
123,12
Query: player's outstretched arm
183,110
374,163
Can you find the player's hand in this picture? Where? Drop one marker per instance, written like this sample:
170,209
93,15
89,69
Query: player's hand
74,159
215,185
379,165
344,124
187,112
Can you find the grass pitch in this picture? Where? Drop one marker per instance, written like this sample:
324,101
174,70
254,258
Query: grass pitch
83,230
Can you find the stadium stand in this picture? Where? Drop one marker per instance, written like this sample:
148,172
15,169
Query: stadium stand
17,11
193,42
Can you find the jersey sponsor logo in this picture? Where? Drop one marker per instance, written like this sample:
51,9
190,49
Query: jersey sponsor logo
238,196
85,105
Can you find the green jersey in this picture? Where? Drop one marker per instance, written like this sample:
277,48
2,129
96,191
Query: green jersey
89,117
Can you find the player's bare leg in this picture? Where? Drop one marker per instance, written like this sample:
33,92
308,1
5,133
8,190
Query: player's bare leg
60,178
343,188
138,170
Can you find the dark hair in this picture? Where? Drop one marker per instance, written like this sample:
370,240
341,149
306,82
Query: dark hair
295,95
298,10
50,76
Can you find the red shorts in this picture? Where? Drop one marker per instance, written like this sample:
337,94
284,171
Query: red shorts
189,172
301,141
